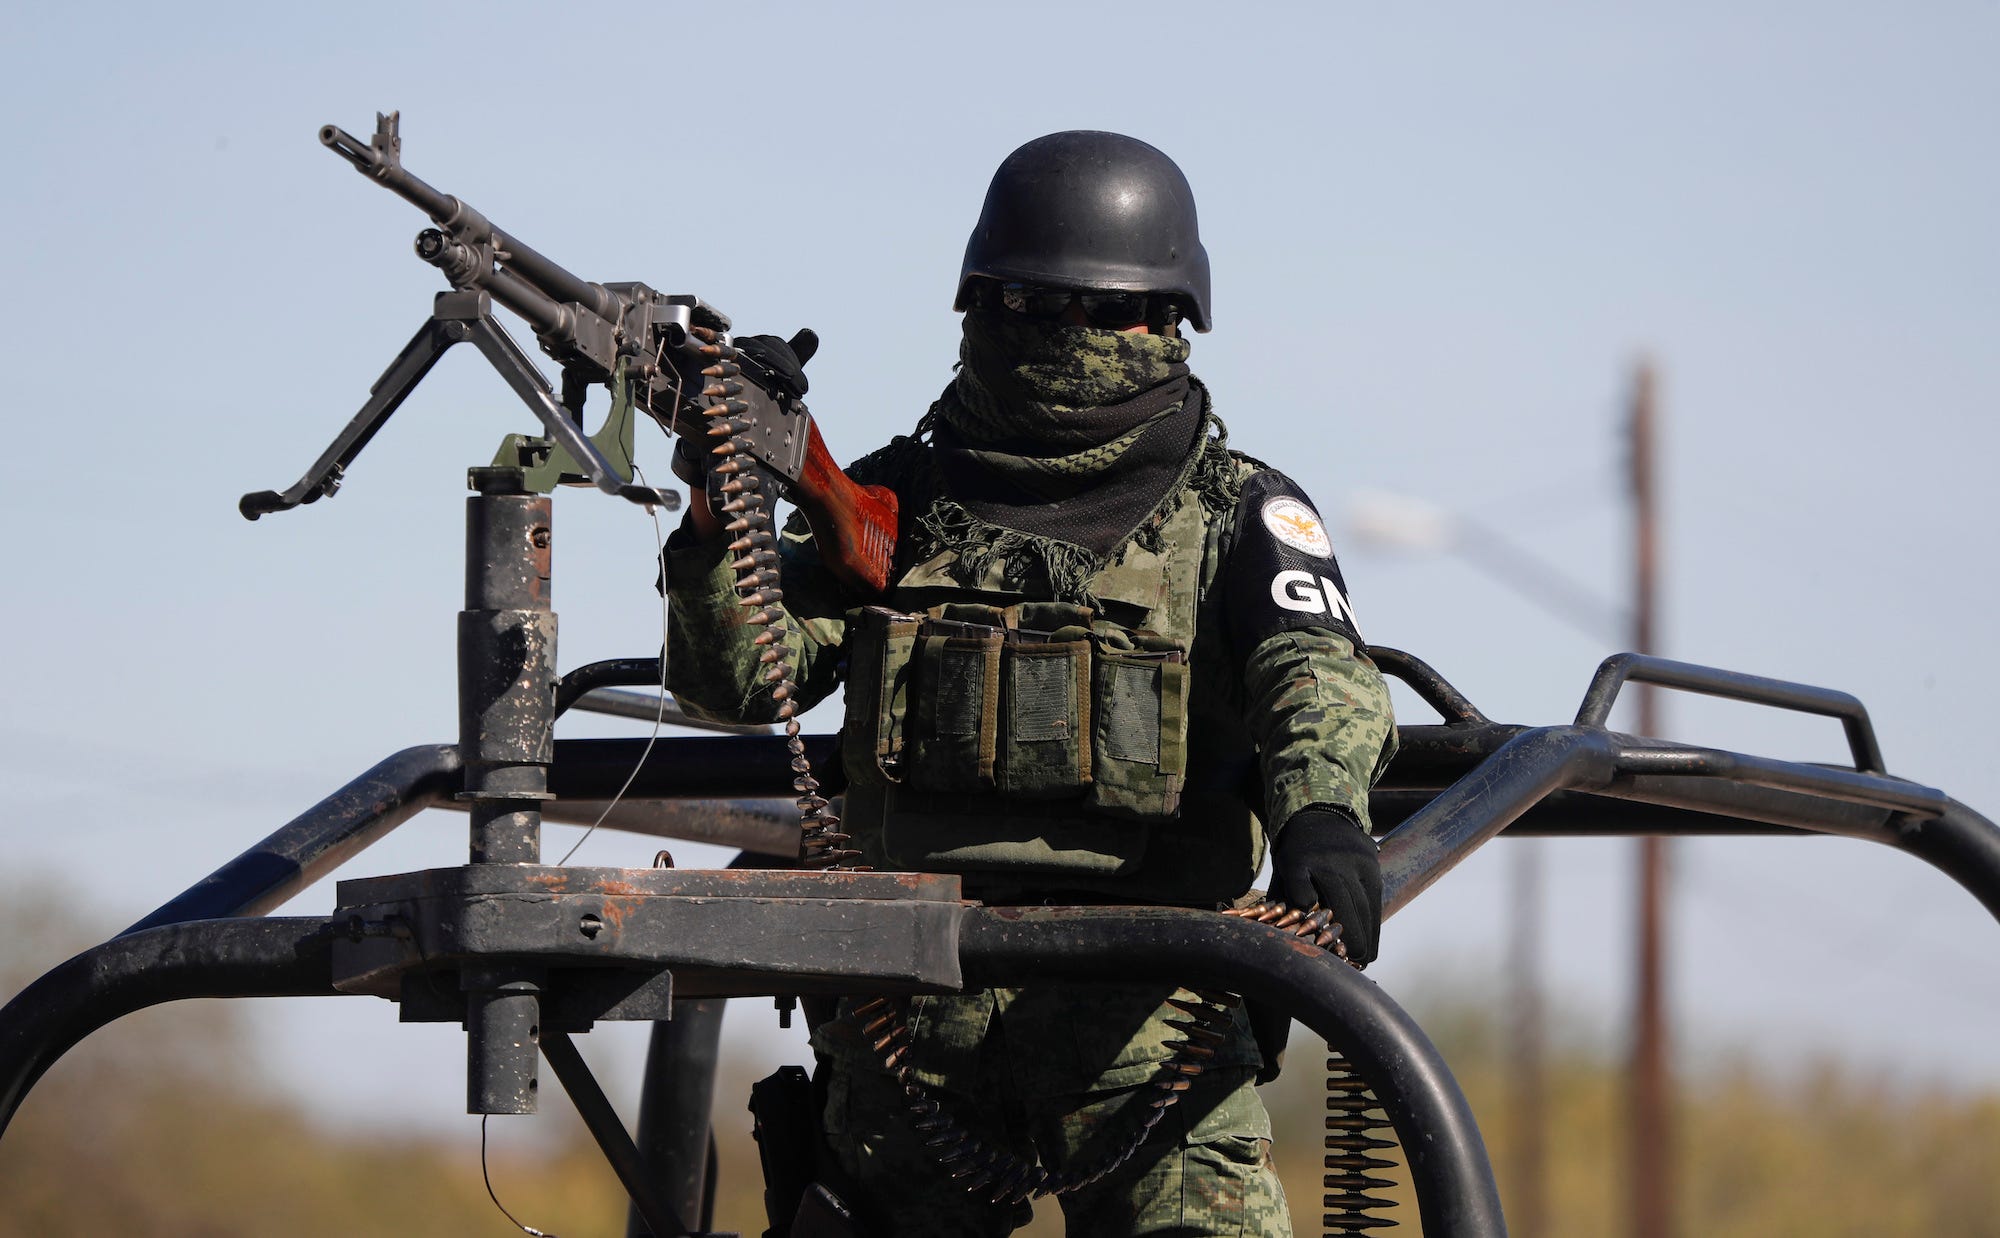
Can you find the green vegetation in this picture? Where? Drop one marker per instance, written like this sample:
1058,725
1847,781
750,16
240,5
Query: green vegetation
150,1128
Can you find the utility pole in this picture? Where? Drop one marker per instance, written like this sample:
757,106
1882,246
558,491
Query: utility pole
1527,1205
1651,1133
1404,523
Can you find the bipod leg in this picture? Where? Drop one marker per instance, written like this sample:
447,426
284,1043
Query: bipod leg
439,332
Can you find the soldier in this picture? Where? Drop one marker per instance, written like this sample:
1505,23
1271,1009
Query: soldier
1116,662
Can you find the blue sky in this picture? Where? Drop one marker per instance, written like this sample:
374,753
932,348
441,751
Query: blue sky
1440,241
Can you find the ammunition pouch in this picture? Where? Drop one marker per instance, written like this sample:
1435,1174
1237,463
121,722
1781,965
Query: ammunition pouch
1139,729
1037,701
953,742
880,647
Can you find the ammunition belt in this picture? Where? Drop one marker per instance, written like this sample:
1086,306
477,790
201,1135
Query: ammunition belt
821,842
1001,1177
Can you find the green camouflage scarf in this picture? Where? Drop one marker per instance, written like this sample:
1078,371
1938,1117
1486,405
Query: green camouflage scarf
1050,407
1017,469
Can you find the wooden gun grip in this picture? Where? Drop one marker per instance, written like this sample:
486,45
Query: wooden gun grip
854,525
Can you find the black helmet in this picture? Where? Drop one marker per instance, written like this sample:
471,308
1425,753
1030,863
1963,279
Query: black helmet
1084,209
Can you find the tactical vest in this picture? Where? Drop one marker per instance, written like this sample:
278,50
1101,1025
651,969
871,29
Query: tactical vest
990,732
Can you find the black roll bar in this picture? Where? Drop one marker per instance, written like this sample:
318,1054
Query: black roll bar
249,957
279,957
1456,1194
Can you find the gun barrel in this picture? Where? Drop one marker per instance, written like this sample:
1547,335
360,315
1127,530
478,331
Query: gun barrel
550,277
382,163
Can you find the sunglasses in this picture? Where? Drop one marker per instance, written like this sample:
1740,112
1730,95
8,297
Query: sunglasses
1100,309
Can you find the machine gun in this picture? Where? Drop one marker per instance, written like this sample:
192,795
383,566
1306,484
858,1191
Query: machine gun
657,353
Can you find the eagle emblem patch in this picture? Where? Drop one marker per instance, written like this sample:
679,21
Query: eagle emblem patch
1297,525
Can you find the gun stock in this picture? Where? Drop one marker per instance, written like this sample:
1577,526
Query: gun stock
854,525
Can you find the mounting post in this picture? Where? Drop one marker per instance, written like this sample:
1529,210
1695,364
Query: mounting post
506,728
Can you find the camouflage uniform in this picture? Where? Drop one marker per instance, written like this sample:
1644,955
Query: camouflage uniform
1280,712
1019,1084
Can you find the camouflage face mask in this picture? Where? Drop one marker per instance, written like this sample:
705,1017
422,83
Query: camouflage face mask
1024,379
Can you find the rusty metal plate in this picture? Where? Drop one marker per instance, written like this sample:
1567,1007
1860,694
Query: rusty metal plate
720,932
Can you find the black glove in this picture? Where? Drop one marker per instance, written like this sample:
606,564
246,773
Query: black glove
1322,857
783,361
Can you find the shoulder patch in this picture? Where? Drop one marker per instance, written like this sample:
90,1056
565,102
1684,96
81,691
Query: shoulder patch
1281,574
1297,525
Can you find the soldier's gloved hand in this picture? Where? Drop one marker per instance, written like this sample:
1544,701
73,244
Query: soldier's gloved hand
1322,857
784,360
